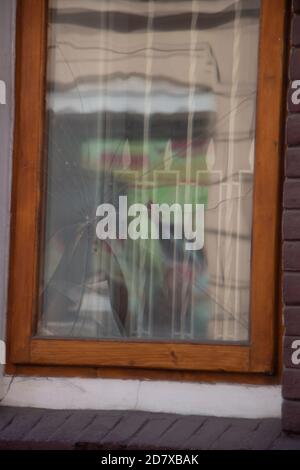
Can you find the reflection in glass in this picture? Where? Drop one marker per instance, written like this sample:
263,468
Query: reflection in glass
154,100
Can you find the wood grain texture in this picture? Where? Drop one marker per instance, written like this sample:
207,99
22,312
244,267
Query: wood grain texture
28,139
266,213
138,354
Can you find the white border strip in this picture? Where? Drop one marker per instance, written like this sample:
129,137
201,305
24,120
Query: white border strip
227,400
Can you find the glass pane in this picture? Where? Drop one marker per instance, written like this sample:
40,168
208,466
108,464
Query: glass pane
149,103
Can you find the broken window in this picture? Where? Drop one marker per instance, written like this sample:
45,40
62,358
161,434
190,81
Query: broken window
155,101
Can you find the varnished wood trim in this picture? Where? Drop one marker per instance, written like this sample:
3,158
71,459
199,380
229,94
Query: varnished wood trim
27,204
140,354
27,170
266,208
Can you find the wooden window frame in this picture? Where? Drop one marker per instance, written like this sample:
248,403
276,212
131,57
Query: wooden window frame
25,352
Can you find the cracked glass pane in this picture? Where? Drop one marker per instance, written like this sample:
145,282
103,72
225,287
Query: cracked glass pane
155,101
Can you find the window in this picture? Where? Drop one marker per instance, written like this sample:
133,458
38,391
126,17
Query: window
123,108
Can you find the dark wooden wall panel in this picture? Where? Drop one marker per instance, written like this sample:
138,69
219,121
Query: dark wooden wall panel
291,256
291,225
291,238
292,324
291,384
296,6
291,415
292,162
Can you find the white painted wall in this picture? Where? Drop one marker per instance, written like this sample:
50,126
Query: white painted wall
185,398
158,396
7,60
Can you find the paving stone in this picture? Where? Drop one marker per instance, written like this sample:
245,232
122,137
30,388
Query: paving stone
73,426
180,432
125,430
21,424
286,442
6,416
263,436
152,432
235,435
208,433
24,428
49,424
98,429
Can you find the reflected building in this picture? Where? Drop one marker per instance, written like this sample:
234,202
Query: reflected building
154,100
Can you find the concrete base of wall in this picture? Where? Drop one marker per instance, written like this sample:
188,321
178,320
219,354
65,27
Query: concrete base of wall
227,400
